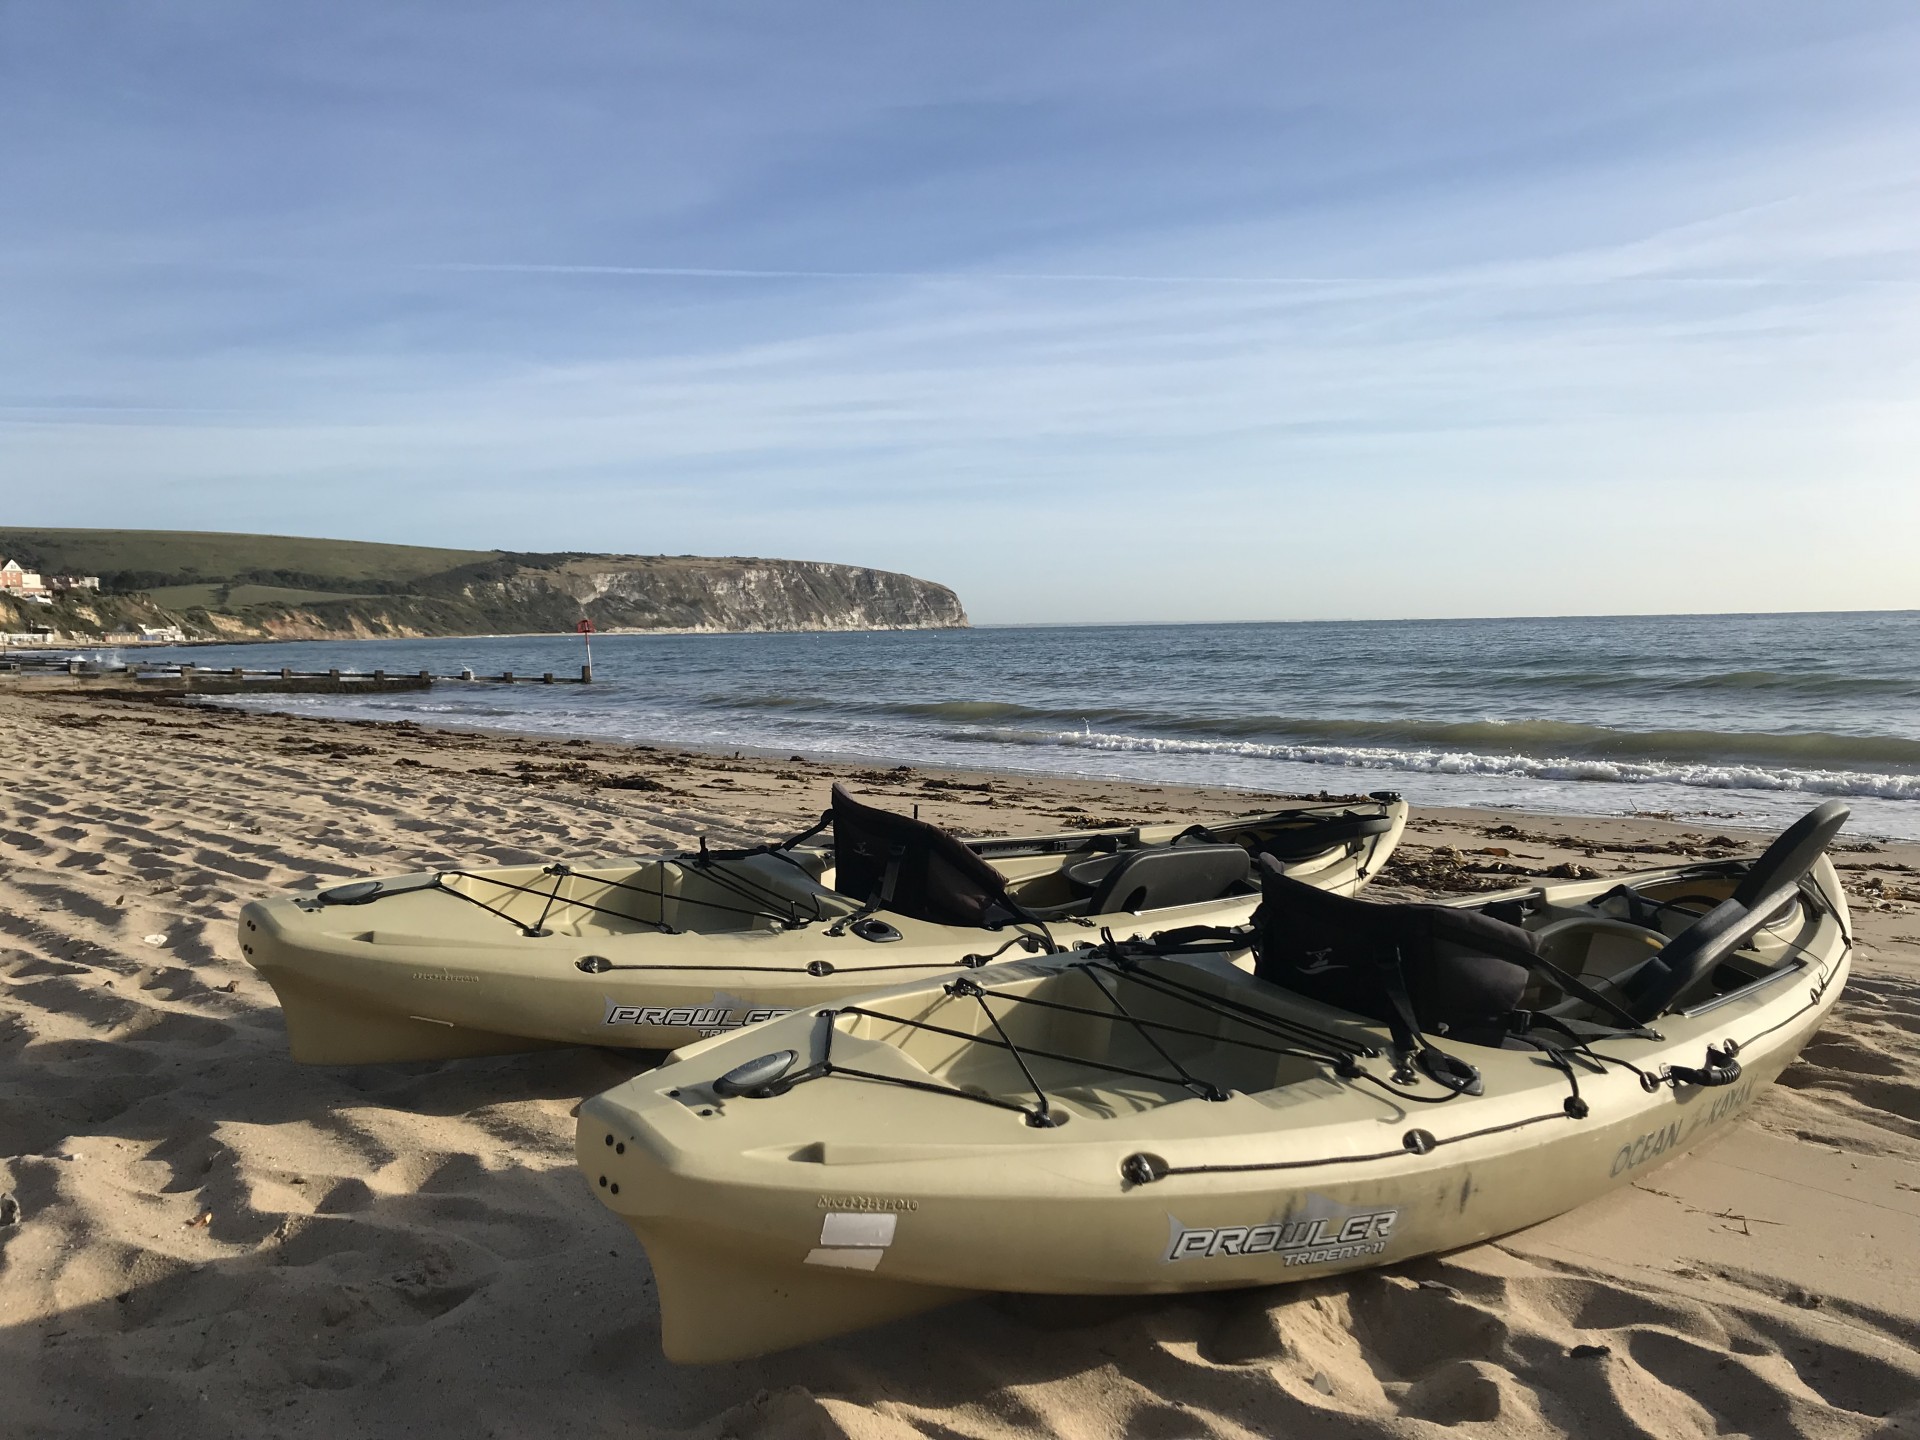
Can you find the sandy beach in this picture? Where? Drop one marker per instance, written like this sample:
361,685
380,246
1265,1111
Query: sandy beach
203,1238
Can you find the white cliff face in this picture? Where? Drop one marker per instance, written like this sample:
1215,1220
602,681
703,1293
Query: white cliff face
733,595
704,595
756,595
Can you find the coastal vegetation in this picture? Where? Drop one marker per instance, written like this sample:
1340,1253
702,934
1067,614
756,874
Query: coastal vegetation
222,586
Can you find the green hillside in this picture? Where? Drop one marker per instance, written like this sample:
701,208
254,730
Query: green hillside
153,559
228,596
236,587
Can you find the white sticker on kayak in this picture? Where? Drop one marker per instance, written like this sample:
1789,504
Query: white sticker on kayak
1305,1240
846,1259
840,1229
853,1242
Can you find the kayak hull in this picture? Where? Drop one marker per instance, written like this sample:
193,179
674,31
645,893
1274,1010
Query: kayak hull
780,1220
431,969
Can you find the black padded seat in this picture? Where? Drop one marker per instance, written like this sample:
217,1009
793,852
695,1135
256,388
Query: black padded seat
1464,972
1159,877
914,868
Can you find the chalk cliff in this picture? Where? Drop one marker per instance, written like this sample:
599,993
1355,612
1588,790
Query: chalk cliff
259,587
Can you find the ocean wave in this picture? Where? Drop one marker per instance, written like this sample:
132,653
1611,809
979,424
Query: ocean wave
1440,762
1566,740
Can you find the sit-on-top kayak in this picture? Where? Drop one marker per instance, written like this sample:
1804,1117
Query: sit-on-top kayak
1140,1117
657,953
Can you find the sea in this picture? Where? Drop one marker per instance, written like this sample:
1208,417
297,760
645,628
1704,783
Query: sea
1733,719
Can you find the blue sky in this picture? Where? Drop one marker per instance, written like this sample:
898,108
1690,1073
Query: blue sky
1117,311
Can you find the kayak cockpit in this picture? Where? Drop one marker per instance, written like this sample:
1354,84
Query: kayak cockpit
906,866
1098,1037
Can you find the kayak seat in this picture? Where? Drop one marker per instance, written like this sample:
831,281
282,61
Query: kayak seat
1158,877
913,868
1765,894
1462,973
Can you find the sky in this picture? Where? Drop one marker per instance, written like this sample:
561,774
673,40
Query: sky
1128,312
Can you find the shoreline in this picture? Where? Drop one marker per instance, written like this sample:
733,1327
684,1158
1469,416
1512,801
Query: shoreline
207,1238
1751,746
1699,820
205,642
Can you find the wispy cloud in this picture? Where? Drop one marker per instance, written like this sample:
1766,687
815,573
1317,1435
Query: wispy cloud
1116,315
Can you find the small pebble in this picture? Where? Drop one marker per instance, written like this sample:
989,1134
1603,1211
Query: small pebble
1321,1383
9,1210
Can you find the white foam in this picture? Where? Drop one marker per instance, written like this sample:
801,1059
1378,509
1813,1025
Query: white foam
1450,762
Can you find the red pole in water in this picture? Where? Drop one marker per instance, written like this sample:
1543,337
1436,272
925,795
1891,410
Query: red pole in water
585,627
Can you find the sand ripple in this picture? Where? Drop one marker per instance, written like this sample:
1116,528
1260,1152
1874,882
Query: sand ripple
205,1239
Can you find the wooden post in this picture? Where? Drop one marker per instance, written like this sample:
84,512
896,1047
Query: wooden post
239,672
586,674
547,679
506,675
379,677
286,672
425,675
334,676
466,674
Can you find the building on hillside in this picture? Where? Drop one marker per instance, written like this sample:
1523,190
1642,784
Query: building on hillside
73,582
121,637
162,635
15,580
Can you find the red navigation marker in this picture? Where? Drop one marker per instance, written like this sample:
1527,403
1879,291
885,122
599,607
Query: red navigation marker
585,627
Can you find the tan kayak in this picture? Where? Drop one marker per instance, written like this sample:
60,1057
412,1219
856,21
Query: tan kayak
1398,1079
661,952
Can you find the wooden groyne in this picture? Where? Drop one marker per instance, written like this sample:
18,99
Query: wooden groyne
49,672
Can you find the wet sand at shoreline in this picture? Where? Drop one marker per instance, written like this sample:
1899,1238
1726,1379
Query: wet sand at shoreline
207,1239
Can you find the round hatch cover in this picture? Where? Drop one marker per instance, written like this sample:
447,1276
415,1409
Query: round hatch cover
753,1077
354,894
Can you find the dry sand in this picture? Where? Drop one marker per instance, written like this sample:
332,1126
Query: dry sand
206,1239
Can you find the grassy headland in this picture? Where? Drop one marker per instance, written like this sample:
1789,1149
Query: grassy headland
238,587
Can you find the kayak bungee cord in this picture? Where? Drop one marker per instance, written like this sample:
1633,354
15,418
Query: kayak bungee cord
549,899
1720,1069
1206,1089
972,987
561,874
1276,1025
1336,1053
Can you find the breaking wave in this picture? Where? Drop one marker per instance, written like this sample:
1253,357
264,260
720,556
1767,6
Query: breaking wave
1567,742
1442,762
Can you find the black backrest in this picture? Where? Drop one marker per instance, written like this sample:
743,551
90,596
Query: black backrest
1793,854
913,868
1161,876
1762,893
1464,971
